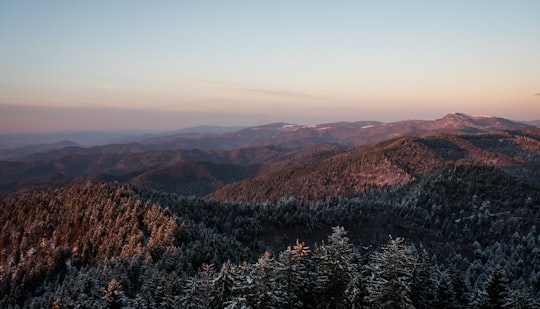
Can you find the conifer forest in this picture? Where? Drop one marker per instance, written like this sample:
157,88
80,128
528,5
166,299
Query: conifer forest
439,221
463,236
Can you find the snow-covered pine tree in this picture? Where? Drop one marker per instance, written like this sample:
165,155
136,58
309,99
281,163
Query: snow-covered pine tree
391,276
334,269
243,292
164,295
422,291
356,290
114,296
496,292
190,298
269,291
522,299
460,287
446,296
222,287
293,273
198,289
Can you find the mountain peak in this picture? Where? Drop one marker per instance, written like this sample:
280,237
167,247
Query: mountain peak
462,120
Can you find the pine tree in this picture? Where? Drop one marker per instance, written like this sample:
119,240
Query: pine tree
114,296
392,272
190,298
204,288
446,296
496,291
356,290
522,299
460,288
422,292
222,287
334,269
164,295
243,292
293,273
269,291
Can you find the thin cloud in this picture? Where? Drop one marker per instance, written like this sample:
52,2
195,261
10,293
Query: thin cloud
250,91
282,93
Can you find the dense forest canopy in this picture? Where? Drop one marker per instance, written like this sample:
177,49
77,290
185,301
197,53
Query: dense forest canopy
445,217
463,235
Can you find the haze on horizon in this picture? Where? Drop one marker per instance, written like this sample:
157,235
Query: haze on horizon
165,65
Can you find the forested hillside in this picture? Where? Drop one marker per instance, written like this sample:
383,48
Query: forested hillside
462,235
174,171
392,162
289,160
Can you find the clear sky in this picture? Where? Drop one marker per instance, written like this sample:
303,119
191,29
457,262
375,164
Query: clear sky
83,65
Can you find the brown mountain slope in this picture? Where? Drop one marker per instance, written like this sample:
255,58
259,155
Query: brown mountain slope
343,174
391,162
191,177
191,172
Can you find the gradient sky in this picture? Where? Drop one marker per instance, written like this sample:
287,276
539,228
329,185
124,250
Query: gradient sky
100,65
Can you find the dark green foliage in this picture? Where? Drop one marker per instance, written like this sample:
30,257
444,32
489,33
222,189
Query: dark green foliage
335,260
445,294
497,292
458,284
68,245
423,291
392,271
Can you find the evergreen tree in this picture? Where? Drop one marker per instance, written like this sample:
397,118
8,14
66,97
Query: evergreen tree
391,279
293,272
422,291
269,290
496,291
114,296
446,296
222,287
190,298
334,269
522,299
356,290
460,288
164,295
243,292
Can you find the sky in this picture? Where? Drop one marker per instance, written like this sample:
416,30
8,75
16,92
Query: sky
165,65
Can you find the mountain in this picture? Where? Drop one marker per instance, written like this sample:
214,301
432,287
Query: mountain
97,227
23,151
391,162
213,160
344,133
191,172
535,123
292,136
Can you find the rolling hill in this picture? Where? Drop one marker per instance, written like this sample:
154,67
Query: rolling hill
391,162
279,159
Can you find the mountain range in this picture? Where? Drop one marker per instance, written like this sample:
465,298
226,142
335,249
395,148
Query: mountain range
270,161
157,222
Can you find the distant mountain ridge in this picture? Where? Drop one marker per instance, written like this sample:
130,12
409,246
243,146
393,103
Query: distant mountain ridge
535,123
344,133
282,159
287,136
